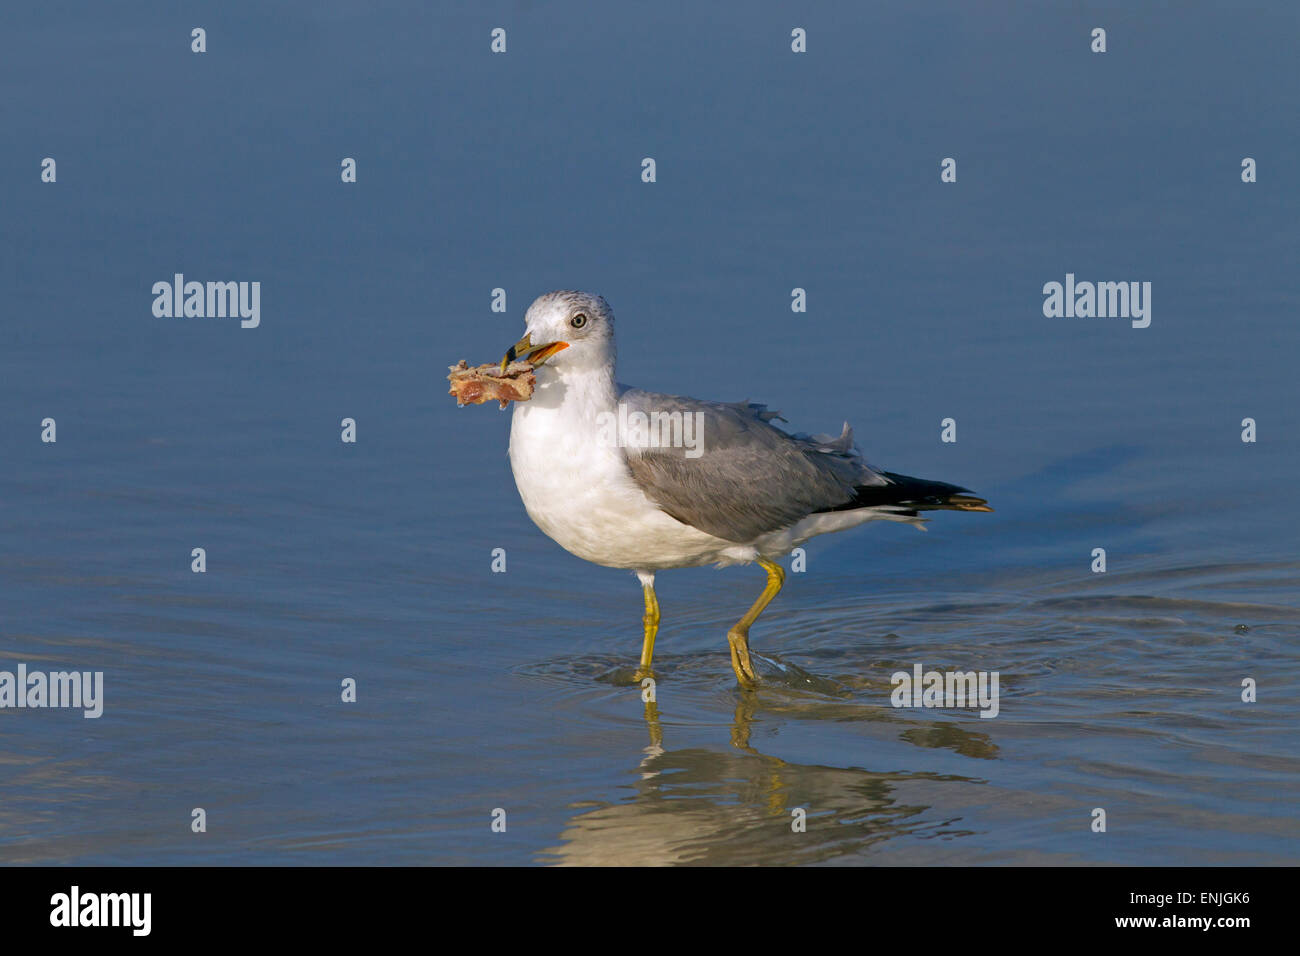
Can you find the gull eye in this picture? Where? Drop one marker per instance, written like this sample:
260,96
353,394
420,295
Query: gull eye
578,321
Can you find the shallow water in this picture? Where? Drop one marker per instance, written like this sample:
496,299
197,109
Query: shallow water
479,690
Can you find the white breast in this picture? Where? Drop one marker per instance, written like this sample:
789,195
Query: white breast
577,488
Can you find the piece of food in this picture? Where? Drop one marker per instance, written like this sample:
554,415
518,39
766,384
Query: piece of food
474,386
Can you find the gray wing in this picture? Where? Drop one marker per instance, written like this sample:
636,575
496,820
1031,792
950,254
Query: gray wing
744,477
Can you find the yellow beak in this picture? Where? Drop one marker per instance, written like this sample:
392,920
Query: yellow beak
525,351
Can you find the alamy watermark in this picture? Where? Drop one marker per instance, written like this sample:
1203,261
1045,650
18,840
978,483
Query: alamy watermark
946,689
83,690
77,908
208,300
1102,300
630,428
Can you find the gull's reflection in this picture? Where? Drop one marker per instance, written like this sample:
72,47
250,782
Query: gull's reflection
737,806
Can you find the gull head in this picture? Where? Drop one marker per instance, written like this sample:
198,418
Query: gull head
571,331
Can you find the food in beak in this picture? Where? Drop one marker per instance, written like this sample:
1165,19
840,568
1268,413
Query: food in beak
474,386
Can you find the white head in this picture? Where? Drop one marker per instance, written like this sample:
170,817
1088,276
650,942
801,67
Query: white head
570,331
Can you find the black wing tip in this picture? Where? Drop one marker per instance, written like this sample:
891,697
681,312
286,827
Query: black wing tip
908,496
965,503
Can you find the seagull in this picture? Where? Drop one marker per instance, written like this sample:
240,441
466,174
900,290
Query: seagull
632,479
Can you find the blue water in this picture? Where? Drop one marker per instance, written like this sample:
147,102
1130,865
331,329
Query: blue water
372,561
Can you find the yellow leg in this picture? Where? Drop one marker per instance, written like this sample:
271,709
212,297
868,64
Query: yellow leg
651,622
738,636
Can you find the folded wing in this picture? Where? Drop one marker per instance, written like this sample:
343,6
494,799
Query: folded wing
733,474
